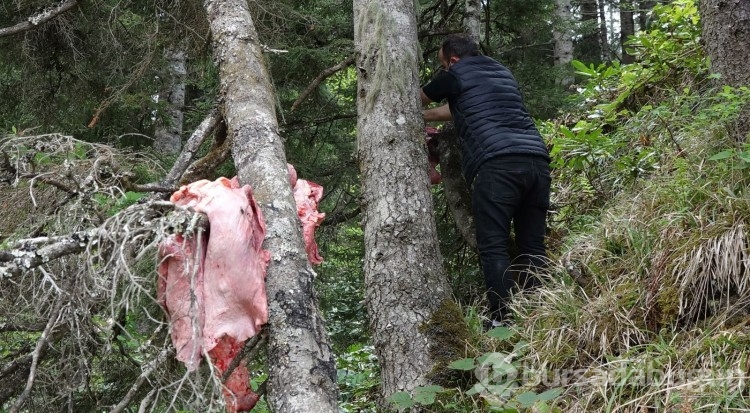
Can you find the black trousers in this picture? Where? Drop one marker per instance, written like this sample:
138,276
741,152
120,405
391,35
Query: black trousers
510,189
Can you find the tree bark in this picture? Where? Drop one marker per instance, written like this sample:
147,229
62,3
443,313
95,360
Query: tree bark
590,47
472,19
168,135
726,35
603,38
627,29
302,374
562,34
404,280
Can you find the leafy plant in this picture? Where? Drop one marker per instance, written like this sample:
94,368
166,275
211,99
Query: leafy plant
358,379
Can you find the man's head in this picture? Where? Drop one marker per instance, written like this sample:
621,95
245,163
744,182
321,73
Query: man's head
455,47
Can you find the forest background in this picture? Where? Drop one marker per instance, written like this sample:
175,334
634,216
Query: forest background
642,103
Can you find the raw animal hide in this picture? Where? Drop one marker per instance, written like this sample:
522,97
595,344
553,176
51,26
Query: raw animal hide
307,194
213,288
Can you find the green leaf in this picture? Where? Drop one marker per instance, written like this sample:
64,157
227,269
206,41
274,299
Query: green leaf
463,364
434,388
527,399
402,400
727,153
745,156
501,333
550,394
426,395
582,69
476,389
520,347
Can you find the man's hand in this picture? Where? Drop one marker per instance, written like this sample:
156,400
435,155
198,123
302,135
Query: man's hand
440,113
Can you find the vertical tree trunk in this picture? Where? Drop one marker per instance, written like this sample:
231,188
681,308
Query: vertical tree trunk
472,18
404,280
726,33
168,136
302,374
589,47
563,36
603,37
627,29
644,8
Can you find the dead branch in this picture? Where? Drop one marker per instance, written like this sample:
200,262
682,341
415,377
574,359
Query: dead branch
191,147
250,350
335,219
42,17
152,187
15,261
10,327
14,379
160,358
40,344
49,181
98,268
202,167
318,80
26,254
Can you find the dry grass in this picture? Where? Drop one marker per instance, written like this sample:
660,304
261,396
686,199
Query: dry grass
647,309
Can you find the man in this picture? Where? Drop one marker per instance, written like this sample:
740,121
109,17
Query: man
504,161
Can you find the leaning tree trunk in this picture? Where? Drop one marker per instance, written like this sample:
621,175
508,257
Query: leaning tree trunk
301,370
457,194
726,34
405,285
627,29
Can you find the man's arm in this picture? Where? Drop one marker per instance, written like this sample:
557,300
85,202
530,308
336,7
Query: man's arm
440,113
425,100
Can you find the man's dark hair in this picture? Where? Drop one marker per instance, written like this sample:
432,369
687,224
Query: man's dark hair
459,45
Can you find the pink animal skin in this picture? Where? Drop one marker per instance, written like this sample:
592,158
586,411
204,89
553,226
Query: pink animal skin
213,288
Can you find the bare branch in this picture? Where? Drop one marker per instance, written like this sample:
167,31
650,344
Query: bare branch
191,147
251,348
40,344
141,379
8,327
336,219
18,260
49,181
39,18
210,162
318,80
152,187
27,254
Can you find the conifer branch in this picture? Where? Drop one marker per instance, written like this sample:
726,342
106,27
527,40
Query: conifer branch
39,18
318,80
